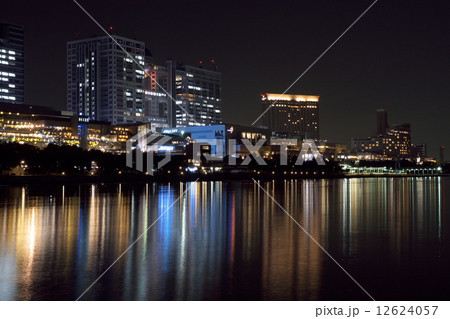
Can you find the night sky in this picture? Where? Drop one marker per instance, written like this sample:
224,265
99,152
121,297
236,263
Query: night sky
396,57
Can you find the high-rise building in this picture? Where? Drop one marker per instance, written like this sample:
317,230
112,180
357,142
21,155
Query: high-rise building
292,115
12,67
197,91
156,99
103,82
382,122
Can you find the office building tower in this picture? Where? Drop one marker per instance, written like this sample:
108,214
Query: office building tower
197,91
291,115
103,82
382,122
12,67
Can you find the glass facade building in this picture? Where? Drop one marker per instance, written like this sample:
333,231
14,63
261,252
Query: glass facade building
198,92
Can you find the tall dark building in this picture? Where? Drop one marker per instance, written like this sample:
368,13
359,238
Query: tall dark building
12,67
441,154
382,122
292,115
103,82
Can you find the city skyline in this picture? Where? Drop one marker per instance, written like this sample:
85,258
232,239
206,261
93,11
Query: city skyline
226,151
381,79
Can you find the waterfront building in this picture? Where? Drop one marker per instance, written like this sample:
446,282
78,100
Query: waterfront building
40,126
366,148
291,115
332,151
37,125
394,143
12,66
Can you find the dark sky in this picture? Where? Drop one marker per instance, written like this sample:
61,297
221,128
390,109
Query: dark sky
396,57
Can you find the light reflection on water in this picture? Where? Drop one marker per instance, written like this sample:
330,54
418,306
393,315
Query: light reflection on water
226,240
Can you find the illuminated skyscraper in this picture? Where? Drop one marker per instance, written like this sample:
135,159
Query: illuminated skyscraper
11,63
291,115
156,99
103,82
197,90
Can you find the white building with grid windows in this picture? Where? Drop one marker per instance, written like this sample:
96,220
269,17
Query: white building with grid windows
103,82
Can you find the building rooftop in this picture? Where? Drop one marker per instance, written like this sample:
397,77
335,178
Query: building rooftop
28,109
290,97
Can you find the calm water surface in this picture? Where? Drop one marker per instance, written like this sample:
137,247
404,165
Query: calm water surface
227,240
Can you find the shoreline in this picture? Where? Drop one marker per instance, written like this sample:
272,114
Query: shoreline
9,180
